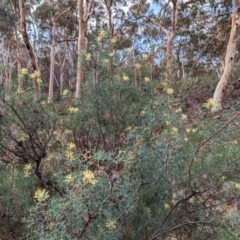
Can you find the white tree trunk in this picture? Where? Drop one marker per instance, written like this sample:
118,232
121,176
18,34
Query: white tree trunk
85,10
52,64
229,58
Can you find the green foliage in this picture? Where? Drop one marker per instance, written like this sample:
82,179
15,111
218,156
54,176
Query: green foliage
122,162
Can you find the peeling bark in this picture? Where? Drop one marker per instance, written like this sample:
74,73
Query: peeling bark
229,58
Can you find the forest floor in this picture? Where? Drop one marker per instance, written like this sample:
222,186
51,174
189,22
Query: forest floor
195,100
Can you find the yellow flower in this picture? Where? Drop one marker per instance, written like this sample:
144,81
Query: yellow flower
106,61
19,91
137,65
65,92
71,145
125,77
142,113
88,177
69,154
184,117
166,206
146,79
236,185
170,91
101,35
111,224
39,80
168,123
27,170
41,195
193,130
191,200
68,178
113,40
68,131
23,71
223,178
73,109
88,56
111,54
145,56
174,129
35,74
178,110
210,103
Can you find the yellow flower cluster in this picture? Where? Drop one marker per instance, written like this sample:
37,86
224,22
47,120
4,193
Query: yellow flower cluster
71,145
111,54
89,177
210,103
146,79
23,71
170,91
166,206
41,195
111,224
27,170
101,35
125,77
69,154
73,109
189,130
88,57
65,92
145,57
37,75
137,65
68,178
106,61
178,110
113,40
184,117
19,91
236,185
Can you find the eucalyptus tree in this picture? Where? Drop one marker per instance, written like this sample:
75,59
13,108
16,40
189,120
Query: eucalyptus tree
56,24
9,43
55,13
229,58
85,10
28,45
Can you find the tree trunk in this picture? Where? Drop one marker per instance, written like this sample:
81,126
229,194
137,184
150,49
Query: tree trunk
170,37
28,45
52,64
85,9
229,58
81,35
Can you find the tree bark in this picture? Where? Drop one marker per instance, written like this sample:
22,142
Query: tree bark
170,37
52,64
85,9
229,58
28,45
